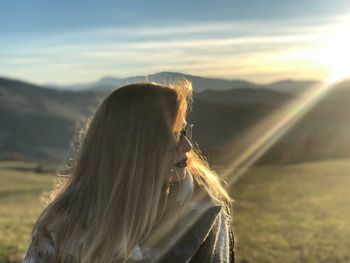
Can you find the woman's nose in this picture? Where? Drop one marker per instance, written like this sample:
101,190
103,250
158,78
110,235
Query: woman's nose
186,145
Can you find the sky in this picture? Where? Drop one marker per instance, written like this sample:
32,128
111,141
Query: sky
67,42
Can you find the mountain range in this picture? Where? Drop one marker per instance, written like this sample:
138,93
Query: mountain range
199,83
42,124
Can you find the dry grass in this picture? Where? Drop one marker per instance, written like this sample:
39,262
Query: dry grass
21,200
296,213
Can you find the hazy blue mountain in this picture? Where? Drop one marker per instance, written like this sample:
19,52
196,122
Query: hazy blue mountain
292,86
199,83
240,96
39,123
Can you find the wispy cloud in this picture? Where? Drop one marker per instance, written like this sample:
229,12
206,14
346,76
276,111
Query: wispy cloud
255,50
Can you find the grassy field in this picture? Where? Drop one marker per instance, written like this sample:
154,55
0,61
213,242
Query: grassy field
295,213
22,192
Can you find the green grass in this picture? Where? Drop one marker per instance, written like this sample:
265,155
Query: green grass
295,213
21,200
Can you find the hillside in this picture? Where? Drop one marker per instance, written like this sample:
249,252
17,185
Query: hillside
39,123
199,84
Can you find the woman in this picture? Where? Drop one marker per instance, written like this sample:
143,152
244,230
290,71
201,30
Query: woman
138,190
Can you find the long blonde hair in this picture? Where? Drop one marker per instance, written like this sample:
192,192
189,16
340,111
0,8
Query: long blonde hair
117,187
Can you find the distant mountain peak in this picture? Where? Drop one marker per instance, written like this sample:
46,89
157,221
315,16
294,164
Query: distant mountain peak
293,81
108,78
199,83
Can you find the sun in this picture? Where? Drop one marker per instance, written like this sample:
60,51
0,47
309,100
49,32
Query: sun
334,54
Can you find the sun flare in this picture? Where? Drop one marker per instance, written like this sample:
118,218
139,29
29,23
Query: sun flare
335,53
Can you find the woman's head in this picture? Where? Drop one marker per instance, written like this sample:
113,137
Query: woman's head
118,186
137,128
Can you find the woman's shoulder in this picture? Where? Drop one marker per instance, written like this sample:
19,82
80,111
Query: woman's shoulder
218,245
41,249
203,235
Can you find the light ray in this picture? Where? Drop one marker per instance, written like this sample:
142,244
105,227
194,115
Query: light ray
275,126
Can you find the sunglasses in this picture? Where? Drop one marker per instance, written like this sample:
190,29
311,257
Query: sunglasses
187,132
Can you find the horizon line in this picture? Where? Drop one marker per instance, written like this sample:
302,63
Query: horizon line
65,85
